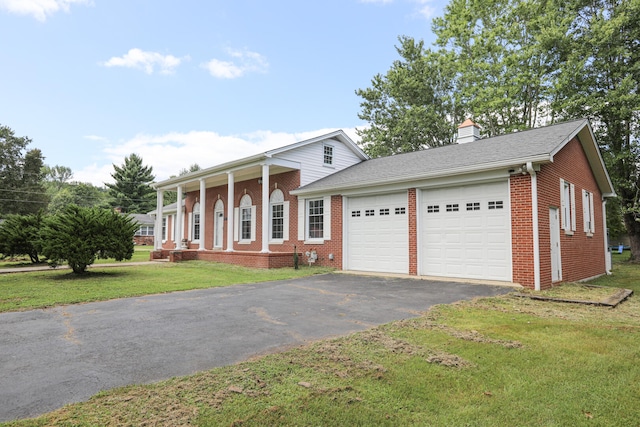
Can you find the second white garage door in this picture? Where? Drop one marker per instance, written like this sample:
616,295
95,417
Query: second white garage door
377,233
465,232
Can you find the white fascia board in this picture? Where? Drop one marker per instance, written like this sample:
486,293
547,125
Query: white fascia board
283,163
338,134
220,169
588,141
412,181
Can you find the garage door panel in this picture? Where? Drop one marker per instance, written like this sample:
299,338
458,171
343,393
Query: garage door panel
378,239
475,241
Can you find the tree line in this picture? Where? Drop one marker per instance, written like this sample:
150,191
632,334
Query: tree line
43,213
516,64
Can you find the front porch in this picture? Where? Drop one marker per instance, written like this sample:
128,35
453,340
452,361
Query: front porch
244,258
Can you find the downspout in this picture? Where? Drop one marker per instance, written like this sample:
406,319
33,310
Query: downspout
607,254
536,232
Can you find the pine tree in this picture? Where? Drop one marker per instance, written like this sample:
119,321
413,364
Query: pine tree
132,191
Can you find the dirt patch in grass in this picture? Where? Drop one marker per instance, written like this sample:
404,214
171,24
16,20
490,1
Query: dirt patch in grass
580,294
447,359
428,322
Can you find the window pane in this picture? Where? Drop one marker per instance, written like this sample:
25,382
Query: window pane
277,221
316,219
246,224
328,155
196,226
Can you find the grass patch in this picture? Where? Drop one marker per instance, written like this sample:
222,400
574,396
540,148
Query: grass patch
140,254
23,291
488,362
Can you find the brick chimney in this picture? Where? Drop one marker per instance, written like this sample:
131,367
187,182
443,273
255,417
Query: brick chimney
468,132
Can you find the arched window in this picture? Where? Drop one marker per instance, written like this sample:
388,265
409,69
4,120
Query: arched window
245,217
276,207
278,217
195,228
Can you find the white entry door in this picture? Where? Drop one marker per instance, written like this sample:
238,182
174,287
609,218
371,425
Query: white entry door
218,229
554,229
465,231
377,236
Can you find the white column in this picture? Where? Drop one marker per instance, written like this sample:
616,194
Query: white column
203,199
265,208
179,225
230,203
157,232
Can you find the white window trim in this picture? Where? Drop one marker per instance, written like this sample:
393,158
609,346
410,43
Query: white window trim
588,213
285,223
192,224
333,156
165,228
237,230
568,206
303,219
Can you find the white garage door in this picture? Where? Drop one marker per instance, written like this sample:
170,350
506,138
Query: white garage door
377,233
466,232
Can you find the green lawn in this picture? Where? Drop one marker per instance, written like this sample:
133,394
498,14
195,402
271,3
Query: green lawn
141,253
22,291
501,361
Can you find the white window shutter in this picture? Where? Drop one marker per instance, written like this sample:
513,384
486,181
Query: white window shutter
585,211
563,207
236,229
285,221
190,226
591,212
301,219
573,207
326,212
253,223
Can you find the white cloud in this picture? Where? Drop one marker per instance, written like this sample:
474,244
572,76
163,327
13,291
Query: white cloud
169,153
424,9
244,61
146,61
40,9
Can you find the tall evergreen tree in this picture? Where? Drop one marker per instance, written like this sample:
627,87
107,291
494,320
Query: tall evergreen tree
132,191
21,189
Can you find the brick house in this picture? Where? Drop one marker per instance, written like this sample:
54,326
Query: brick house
527,208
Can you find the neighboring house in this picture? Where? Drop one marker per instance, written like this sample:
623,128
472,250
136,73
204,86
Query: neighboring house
144,234
527,208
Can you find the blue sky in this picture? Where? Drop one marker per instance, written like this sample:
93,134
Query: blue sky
183,82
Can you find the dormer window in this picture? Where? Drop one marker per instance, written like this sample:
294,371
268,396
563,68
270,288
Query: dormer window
328,155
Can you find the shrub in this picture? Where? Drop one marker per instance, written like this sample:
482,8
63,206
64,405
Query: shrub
19,236
78,236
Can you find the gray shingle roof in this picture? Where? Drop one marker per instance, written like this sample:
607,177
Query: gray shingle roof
143,219
513,148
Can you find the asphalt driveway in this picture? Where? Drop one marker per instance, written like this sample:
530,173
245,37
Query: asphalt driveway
52,357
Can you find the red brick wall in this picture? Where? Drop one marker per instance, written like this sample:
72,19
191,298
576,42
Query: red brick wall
285,181
582,256
521,230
